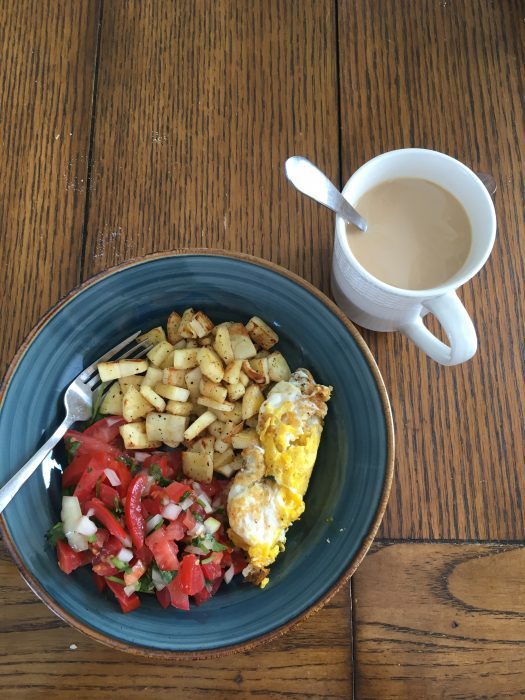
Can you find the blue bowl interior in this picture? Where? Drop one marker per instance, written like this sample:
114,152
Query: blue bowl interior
346,485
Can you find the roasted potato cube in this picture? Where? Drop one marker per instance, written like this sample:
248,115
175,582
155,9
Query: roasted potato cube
201,325
173,377
261,333
255,375
278,369
185,359
210,364
192,343
212,390
204,444
233,416
154,336
246,438
223,345
208,340
134,405
198,466
135,379
193,380
216,429
251,401
228,469
252,422
180,345
167,362
172,327
244,379
231,428
153,376
260,365
185,330
221,446
214,405
173,393
109,371
154,399
232,372
158,354
179,408
112,403
222,458
236,391
136,438
199,425
166,427
242,346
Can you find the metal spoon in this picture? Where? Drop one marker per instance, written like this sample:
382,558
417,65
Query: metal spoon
309,180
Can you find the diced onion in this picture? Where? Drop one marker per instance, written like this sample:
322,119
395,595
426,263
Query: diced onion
77,542
197,530
195,550
157,580
228,574
85,526
186,503
90,513
171,511
152,523
129,590
71,512
212,525
125,555
126,541
204,502
112,477
141,456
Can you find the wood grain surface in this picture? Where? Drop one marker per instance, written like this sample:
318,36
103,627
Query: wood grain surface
449,76
440,621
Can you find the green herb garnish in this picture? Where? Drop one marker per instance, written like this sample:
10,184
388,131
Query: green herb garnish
55,533
156,472
117,508
91,538
167,576
98,398
145,583
72,446
119,564
115,579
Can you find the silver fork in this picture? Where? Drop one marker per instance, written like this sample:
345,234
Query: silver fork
78,401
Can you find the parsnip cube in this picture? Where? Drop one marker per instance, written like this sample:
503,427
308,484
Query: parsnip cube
136,438
198,466
255,375
193,380
233,416
246,438
261,333
216,429
112,403
210,364
134,405
278,369
231,428
154,399
214,405
167,361
261,366
166,427
180,345
109,371
135,379
228,470
236,391
179,408
153,376
201,324
232,372
185,330
185,359
174,377
212,390
159,352
244,379
222,458
204,444
242,346
221,446
173,393
251,401
208,340
154,336
172,327
223,345
199,425
192,343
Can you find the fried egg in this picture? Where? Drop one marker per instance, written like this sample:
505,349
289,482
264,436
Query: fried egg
266,496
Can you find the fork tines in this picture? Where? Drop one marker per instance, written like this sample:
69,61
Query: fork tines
90,375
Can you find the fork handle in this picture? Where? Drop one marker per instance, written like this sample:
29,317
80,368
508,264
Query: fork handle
8,491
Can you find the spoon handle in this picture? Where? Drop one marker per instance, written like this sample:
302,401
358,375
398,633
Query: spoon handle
309,180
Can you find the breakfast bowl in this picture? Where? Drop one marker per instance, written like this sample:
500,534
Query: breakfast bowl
348,490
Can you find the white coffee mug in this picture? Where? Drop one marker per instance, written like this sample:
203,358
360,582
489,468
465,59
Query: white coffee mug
374,304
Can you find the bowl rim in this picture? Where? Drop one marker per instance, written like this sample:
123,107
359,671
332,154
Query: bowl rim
250,644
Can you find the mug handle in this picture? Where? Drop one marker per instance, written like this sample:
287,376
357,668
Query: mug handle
457,324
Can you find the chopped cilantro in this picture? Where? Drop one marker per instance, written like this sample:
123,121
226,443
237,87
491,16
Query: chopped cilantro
198,517
167,576
156,472
207,560
71,448
116,579
92,538
219,511
68,491
185,495
212,544
145,584
117,508
199,542
119,564
55,533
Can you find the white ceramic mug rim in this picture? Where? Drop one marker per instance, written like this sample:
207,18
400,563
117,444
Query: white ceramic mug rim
440,289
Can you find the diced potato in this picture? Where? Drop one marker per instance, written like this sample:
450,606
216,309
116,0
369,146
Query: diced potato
222,458
208,340
198,466
185,359
134,405
246,438
173,393
210,364
112,403
278,369
168,360
192,343
252,422
172,327
262,353
193,380
197,409
201,324
223,345
236,391
212,390
261,333
242,346
231,428
109,371
180,345
166,427
135,379
199,425
216,429
185,330
173,377
233,416
159,352
252,373
136,438
153,376
260,365
214,405
154,399
204,444
244,379
232,372
228,469
221,446
154,336
179,408
251,401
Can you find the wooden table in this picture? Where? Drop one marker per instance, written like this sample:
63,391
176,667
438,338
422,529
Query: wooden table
132,127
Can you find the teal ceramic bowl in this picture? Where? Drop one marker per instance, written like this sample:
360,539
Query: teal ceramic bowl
349,487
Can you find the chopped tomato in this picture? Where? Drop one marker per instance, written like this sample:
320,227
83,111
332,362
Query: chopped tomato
175,462
104,568
106,518
191,578
177,492
106,429
175,530
68,559
126,602
86,486
133,510
151,506
163,463
188,520
100,582
111,547
164,551
179,599
123,474
77,467
214,488
164,597
202,596
144,554
89,444
137,570
212,569
101,537
108,495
